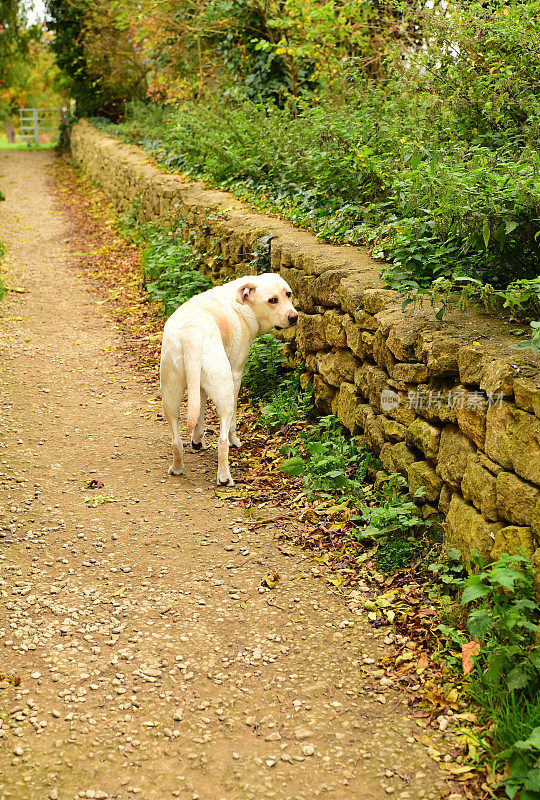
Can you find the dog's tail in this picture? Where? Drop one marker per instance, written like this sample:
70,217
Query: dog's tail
192,367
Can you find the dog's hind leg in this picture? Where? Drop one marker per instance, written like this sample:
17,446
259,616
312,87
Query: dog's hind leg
233,438
171,410
197,437
222,393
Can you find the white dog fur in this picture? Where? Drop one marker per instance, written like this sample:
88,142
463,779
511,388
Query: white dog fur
205,346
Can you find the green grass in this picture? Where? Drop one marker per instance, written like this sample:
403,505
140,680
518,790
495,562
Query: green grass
5,145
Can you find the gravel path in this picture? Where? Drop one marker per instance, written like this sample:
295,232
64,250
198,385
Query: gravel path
151,663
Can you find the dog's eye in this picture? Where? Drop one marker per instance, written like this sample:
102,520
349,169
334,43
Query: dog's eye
273,300
289,294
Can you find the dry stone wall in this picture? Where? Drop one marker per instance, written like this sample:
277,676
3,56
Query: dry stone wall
447,404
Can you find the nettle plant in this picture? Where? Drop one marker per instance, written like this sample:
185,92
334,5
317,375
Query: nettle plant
498,610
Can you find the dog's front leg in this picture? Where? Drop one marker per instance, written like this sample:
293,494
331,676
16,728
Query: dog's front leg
233,438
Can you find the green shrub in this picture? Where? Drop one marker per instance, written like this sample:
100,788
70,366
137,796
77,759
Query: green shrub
172,267
265,367
382,167
500,613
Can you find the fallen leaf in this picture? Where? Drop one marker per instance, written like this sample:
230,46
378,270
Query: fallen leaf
270,580
467,652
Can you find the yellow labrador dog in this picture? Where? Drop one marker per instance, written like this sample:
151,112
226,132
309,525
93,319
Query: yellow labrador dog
206,343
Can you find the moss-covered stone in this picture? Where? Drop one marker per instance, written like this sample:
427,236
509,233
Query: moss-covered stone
454,450
425,437
408,373
402,457
337,367
472,421
422,475
516,499
527,394
334,332
348,402
392,429
513,440
467,529
470,360
478,488
323,394
512,539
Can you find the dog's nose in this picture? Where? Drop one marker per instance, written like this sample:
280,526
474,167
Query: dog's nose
292,316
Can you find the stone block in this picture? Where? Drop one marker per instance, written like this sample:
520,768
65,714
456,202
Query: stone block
433,402
513,440
323,394
527,394
324,290
478,487
370,424
498,377
535,522
424,437
381,354
467,529
386,457
392,429
348,402
408,373
353,334
445,498
441,357
351,293
371,382
403,336
376,300
334,332
422,475
367,341
471,419
310,333
454,450
516,499
513,539
402,457
337,367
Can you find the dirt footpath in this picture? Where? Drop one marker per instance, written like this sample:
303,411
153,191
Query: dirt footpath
151,664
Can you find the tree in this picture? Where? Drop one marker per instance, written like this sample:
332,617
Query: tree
102,62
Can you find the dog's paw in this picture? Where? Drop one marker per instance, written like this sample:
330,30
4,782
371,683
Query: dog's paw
225,481
235,441
175,470
199,445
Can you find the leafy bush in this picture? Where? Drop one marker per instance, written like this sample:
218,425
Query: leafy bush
501,615
265,367
381,167
172,266
334,468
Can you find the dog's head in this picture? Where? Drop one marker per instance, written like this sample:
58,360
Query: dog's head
270,298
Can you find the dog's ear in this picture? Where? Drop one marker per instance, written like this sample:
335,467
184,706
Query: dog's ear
245,291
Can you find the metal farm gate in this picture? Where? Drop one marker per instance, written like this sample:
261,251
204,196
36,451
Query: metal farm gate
36,121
